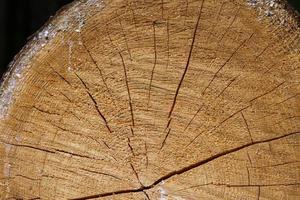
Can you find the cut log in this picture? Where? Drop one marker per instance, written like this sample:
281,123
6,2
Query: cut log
155,100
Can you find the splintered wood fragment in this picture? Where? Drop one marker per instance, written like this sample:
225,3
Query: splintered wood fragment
155,100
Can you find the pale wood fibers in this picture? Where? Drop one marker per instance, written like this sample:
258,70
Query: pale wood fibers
157,100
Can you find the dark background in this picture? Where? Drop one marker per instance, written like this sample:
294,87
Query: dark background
21,18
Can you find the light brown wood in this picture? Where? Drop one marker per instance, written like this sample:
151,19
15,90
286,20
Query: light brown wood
154,100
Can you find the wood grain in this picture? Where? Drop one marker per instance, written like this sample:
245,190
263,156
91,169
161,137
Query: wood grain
154,100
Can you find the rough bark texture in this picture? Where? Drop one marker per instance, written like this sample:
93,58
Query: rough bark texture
154,100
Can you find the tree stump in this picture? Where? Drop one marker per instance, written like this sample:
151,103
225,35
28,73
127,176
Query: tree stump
155,100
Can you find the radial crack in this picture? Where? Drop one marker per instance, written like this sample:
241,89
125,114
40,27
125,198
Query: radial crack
164,141
239,185
227,86
231,23
154,65
125,38
268,92
136,175
96,65
217,126
95,103
226,62
193,166
61,76
188,61
247,126
130,147
30,147
128,91
168,44
192,119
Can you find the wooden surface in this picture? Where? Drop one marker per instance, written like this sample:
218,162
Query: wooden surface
153,100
